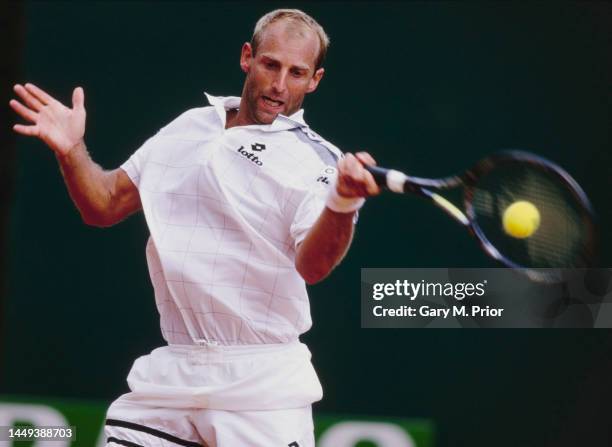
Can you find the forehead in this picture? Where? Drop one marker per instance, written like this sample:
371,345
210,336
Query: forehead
290,42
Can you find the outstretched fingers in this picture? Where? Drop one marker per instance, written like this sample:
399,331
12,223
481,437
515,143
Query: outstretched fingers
31,101
40,94
23,111
78,98
29,131
60,127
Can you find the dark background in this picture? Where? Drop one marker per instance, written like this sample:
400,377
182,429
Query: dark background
426,87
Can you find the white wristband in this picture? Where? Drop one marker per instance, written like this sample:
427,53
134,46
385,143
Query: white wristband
340,204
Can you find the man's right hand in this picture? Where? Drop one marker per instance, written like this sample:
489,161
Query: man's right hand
60,127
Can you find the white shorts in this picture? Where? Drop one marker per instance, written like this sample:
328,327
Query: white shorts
218,396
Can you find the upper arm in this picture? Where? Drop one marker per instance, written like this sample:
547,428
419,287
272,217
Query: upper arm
125,198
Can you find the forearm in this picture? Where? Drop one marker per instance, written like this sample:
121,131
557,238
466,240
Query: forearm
102,197
325,245
89,186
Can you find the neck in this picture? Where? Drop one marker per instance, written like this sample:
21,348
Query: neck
239,117
231,118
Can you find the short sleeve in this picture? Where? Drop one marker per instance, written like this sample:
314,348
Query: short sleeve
307,213
313,203
134,166
187,126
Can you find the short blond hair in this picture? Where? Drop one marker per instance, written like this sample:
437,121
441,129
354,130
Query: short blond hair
295,16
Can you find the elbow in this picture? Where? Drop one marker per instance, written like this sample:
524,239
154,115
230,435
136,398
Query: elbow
311,268
310,274
311,279
98,220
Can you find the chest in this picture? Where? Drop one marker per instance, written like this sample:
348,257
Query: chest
234,172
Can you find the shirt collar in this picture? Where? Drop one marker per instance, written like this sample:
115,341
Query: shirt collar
282,122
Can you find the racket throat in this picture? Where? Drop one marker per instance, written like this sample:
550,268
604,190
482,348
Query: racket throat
450,209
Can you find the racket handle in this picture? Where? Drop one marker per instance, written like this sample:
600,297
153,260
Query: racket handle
388,178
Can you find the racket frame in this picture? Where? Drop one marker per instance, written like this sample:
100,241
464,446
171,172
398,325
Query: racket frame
399,182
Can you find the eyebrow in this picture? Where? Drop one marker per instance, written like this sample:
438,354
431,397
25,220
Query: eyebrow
299,67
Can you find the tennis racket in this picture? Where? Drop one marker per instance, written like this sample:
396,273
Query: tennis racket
566,233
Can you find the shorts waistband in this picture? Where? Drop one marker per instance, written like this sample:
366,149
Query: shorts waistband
233,350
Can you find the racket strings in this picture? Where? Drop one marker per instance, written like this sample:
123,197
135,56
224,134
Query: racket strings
563,236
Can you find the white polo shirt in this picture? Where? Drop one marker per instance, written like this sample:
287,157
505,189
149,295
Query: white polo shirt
226,209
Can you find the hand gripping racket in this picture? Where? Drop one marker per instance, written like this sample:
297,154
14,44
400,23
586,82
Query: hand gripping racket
564,236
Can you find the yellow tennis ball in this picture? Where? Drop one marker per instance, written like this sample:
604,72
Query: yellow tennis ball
521,219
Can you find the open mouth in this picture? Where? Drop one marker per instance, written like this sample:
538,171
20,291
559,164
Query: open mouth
272,102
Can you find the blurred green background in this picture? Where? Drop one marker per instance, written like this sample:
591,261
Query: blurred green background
427,87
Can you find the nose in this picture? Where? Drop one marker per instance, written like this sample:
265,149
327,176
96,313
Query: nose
280,82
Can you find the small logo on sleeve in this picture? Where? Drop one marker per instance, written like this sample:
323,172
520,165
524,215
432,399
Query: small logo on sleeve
326,175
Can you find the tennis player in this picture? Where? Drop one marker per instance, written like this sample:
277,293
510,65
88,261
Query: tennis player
245,204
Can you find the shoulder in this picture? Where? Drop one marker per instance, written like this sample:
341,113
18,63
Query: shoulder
192,124
328,153
183,133
317,161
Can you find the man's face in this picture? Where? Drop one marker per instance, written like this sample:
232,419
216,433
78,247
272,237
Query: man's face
281,73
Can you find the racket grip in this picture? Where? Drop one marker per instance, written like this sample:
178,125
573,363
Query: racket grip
388,178
379,174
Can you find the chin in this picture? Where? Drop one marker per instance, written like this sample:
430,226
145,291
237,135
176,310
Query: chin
265,118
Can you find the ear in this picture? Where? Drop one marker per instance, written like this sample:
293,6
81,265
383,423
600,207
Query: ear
246,56
314,81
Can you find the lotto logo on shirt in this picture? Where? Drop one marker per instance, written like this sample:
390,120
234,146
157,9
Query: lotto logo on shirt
250,155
